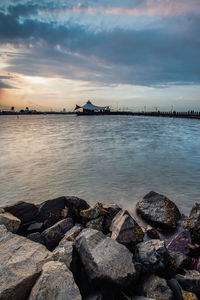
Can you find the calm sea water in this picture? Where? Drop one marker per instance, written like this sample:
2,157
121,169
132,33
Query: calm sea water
113,159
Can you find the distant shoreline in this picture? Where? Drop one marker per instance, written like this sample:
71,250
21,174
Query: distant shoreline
186,115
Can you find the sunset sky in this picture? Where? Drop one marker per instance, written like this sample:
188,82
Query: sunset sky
125,53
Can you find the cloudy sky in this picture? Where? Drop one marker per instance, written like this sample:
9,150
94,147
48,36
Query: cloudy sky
125,53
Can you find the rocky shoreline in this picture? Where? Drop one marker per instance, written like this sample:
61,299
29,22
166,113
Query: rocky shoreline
64,249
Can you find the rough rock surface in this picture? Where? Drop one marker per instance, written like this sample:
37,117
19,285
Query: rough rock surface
35,227
21,261
180,242
55,283
125,229
96,223
11,222
93,212
71,234
178,292
54,234
24,211
64,253
190,281
75,205
153,255
159,210
112,210
50,211
157,288
193,223
104,258
141,298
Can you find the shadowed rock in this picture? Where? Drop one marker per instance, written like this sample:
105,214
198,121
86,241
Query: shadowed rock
180,242
75,205
93,212
35,227
24,211
64,253
105,259
11,222
158,209
157,288
96,223
125,229
153,255
71,234
55,283
179,293
36,237
112,210
54,234
190,281
21,261
193,223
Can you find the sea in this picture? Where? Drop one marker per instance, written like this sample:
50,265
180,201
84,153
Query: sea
110,159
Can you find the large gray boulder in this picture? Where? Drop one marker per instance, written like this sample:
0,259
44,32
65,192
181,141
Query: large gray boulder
55,233
193,223
55,283
153,255
21,261
11,222
125,229
105,259
158,209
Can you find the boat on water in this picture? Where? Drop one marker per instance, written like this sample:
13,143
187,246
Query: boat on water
90,109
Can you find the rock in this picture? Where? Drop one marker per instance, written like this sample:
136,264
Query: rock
55,283
180,242
64,253
75,206
54,234
178,292
93,212
2,210
24,211
112,210
141,298
152,233
11,222
71,234
156,287
125,229
36,237
96,223
193,223
21,261
105,259
159,210
94,296
153,255
179,259
51,211
190,281
35,227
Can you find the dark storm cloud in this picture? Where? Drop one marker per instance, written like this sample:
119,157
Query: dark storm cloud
150,57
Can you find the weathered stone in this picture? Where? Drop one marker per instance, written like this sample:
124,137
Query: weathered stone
105,259
21,261
71,234
24,211
36,237
141,298
35,227
96,223
152,233
94,296
75,206
180,242
55,283
179,259
159,210
51,211
193,223
2,210
11,222
190,281
64,253
54,234
153,255
125,229
178,292
93,212
156,287
112,210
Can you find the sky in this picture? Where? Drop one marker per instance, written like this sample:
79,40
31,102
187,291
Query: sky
129,54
